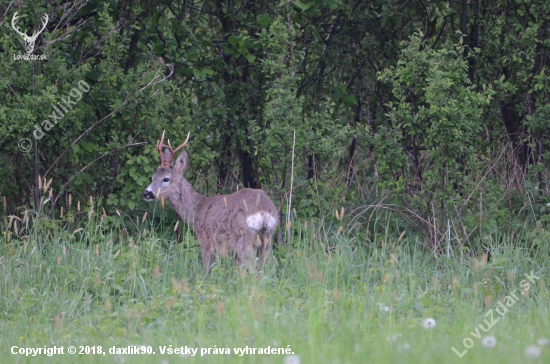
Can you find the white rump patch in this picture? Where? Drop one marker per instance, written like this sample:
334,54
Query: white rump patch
260,220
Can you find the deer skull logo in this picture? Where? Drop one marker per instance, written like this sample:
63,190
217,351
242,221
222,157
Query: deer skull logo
29,41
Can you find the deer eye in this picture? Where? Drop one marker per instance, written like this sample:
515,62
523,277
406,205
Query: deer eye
166,179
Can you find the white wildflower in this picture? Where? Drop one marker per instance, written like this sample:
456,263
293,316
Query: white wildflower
543,341
533,351
385,308
489,342
428,323
405,346
393,338
292,359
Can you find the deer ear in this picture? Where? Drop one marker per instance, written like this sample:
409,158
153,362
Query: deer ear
181,163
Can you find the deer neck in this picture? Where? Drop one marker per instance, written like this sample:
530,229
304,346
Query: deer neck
184,201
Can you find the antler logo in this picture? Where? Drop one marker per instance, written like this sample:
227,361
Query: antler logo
29,41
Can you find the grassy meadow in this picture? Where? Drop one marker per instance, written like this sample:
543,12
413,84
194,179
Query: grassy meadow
324,296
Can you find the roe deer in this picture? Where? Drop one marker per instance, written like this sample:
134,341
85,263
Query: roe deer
240,224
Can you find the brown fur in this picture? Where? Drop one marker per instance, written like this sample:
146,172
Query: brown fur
240,224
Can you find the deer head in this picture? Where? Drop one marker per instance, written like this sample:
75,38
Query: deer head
29,41
169,176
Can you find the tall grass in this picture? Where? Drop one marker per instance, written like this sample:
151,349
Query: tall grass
328,297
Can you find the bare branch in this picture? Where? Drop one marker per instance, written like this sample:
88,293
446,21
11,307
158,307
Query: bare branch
92,162
118,108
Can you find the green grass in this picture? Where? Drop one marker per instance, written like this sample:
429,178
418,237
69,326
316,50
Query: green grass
350,303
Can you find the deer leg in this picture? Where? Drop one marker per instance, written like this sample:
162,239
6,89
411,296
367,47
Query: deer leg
263,250
245,252
207,260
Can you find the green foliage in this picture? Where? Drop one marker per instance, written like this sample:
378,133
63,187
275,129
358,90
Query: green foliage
429,146
430,122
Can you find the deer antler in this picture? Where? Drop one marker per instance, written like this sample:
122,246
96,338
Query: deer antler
16,28
45,20
160,144
25,35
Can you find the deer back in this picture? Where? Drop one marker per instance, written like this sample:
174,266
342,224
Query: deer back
243,213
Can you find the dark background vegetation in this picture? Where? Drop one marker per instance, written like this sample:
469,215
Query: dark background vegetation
430,116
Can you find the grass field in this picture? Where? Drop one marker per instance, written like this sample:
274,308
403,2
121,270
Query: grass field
350,303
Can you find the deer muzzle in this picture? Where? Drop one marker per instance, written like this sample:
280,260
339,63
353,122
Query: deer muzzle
148,195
